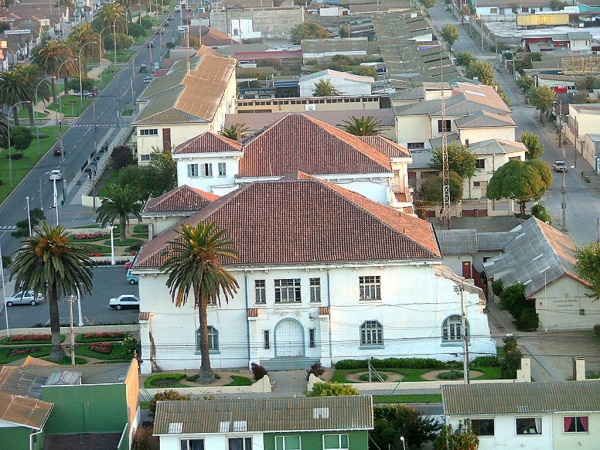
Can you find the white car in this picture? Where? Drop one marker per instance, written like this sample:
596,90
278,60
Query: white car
24,298
56,175
124,302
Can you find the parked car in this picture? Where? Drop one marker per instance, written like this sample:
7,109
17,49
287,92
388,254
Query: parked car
559,166
124,302
56,175
149,45
128,265
131,278
148,79
57,150
24,298
143,68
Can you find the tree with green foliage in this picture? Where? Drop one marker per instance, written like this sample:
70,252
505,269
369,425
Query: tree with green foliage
168,395
325,88
119,203
460,160
122,156
153,179
431,189
194,263
33,76
332,390
542,98
21,138
463,439
362,126
539,211
464,11
392,422
500,92
526,83
513,299
450,34
344,31
427,3
588,266
465,59
13,90
50,58
557,5
50,263
522,181
123,41
512,358
483,70
231,132
535,149
308,30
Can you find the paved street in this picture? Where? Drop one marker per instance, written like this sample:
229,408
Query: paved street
583,209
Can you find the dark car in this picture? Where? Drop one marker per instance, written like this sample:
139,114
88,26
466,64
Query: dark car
149,45
57,150
143,68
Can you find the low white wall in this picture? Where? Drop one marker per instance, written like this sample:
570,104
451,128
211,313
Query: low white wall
133,329
262,386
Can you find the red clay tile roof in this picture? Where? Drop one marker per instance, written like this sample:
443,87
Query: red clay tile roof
302,220
386,146
299,142
207,142
184,198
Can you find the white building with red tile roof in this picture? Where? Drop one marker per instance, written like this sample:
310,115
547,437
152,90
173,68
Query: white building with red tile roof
372,165
324,274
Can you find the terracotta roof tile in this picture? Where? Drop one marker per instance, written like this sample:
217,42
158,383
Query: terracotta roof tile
386,146
300,142
184,198
207,142
300,219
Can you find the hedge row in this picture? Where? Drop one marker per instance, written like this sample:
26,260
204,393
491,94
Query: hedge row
414,363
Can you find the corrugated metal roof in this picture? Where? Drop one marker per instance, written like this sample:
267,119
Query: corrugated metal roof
496,147
457,242
264,414
507,398
484,119
24,411
494,241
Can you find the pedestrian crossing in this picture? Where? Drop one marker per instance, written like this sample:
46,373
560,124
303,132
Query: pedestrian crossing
91,125
8,228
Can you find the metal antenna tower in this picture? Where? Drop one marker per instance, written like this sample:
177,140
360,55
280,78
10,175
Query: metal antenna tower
446,213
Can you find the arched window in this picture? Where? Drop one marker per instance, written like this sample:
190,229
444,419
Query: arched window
371,333
452,329
213,339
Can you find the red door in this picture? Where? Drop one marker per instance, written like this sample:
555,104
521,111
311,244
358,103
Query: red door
466,270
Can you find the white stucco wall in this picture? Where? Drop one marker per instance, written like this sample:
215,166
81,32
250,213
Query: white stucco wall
483,134
411,129
343,85
207,184
414,304
211,441
576,440
179,134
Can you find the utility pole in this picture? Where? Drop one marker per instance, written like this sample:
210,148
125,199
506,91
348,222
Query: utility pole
564,201
446,212
460,288
71,299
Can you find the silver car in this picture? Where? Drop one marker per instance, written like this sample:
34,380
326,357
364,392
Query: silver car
24,298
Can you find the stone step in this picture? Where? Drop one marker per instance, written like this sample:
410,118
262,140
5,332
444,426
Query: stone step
276,364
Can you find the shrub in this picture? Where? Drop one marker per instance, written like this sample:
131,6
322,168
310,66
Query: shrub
316,369
528,320
102,347
332,390
6,261
392,363
136,246
21,351
143,439
129,346
513,299
164,379
512,359
89,235
485,361
539,211
451,375
104,335
597,329
30,337
374,378
497,287
258,371
165,395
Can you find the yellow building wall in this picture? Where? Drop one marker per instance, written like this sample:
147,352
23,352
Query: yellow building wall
532,20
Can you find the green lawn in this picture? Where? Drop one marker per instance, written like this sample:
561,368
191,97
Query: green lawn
414,375
71,105
23,115
117,354
122,55
106,77
240,381
113,176
21,167
408,398
41,350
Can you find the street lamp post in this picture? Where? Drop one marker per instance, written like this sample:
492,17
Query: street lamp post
9,146
80,74
37,120
4,290
41,198
111,227
55,199
28,215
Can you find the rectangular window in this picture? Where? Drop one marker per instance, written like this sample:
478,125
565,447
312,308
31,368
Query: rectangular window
529,425
145,157
312,343
287,443
207,170
371,333
315,289
466,142
493,10
192,444
287,290
476,183
192,170
444,125
415,145
370,288
222,169
480,164
151,132
240,443
483,427
267,339
576,424
335,442
512,158
260,291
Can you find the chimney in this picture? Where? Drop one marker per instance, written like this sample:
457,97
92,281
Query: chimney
238,129
578,368
476,81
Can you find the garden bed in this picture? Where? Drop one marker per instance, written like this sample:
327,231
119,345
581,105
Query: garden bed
36,339
187,380
100,337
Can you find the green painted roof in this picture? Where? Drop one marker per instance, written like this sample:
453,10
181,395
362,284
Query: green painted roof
507,398
264,415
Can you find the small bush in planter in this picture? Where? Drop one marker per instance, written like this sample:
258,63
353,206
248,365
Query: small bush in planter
316,369
165,395
102,347
451,375
374,378
258,371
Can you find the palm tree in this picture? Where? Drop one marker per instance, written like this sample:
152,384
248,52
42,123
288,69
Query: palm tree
34,77
48,262
49,57
362,126
13,89
231,132
118,204
194,263
85,34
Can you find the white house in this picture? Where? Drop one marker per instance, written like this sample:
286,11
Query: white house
543,259
346,83
543,415
324,274
370,165
583,119
194,96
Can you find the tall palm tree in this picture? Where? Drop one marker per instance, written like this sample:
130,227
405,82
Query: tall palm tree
13,89
194,263
48,262
49,57
85,34
118,204
362,126
231,132
34,77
